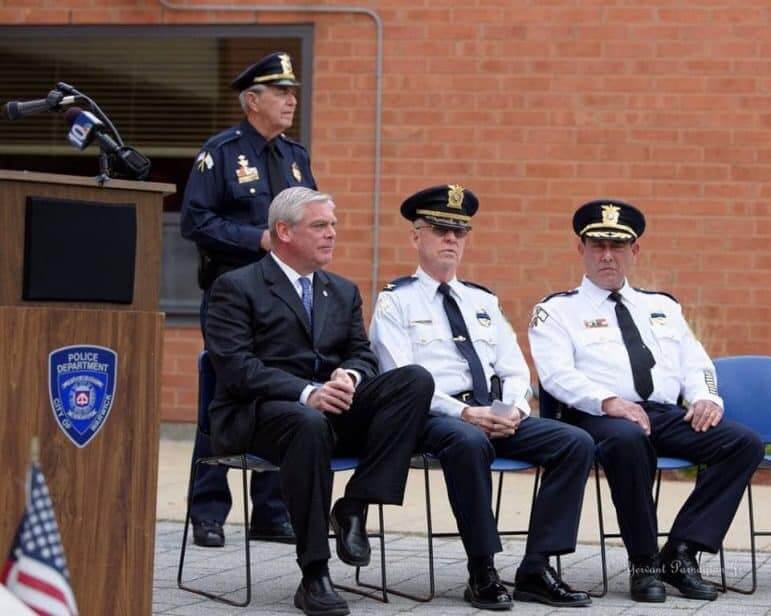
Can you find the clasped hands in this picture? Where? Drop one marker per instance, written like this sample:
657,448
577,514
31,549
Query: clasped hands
493,425
335,396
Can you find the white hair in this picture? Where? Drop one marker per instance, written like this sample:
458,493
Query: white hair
289,205
257,89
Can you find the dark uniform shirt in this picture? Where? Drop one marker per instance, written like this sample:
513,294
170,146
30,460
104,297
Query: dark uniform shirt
225,206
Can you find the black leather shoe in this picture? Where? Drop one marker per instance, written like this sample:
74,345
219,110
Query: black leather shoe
317,597
547,587
680,569
644,583
282,532
208,534
351,536
486,592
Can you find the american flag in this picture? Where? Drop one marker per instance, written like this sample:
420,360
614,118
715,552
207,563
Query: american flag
36,570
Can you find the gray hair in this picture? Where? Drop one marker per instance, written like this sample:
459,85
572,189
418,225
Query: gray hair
257,89
289,205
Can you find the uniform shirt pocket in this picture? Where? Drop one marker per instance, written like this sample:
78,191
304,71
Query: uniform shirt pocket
252,197
600,336
668,340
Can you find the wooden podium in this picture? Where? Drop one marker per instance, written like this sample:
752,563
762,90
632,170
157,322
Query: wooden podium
104,493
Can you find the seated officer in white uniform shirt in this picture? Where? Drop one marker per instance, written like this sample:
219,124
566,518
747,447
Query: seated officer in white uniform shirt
456,330
620,359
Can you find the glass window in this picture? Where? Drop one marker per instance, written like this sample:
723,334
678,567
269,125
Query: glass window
166,89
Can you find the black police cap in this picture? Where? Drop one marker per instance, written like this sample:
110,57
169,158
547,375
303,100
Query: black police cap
275,69
608,219
447,205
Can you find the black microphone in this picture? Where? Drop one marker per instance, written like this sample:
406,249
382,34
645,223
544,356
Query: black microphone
85,127
55,100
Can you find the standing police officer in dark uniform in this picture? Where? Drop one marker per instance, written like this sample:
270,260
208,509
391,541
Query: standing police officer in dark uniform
225,212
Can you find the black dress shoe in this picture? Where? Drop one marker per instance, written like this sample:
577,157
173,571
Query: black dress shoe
351,536
680,569
208,534
282,532
644,583
317,597
485,591
547,587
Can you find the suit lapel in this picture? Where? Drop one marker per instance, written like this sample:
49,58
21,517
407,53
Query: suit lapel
283,289
320,303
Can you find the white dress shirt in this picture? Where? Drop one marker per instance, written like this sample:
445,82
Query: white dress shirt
410,326
294,278
581,358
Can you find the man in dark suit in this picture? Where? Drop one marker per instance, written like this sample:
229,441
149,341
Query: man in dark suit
297,382
225,212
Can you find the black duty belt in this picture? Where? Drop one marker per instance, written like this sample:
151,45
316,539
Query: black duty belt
464,396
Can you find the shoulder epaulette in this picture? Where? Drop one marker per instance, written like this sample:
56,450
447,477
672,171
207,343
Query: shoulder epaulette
292,141
399,282
222,138
468,283
669,295
559,294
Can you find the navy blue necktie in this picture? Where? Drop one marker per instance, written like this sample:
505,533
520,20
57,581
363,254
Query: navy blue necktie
640,356
307,297
462,340
275,173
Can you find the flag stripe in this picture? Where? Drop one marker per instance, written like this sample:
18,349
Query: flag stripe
41,585
41,571
40,602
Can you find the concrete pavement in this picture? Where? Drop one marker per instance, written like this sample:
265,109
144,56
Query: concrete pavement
275,574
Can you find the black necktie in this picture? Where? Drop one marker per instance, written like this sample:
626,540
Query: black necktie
465,346
640,355
275,175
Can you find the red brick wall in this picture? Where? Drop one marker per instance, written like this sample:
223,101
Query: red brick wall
537,105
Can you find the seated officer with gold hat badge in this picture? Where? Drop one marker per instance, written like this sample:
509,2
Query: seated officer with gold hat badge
620,358
234,178
456,330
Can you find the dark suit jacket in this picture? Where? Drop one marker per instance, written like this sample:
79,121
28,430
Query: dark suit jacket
262,348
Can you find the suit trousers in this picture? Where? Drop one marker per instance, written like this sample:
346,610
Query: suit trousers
381,428
729,451
566,454
211,499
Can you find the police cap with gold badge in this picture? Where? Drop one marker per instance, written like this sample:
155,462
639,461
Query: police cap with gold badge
275,69
447,205
608,219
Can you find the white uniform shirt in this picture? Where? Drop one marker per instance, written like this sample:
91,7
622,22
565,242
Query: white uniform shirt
581,358
410,326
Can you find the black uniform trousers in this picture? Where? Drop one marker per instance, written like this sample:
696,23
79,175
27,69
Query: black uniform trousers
566,454
730,451
211,498
381,428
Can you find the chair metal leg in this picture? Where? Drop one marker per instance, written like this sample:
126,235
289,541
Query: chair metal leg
215,597
602,536
382,590
430,539
536,483
753,553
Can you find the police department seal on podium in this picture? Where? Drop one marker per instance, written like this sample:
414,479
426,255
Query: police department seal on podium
81,383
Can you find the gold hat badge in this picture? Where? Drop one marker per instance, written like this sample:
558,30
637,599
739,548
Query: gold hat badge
455,196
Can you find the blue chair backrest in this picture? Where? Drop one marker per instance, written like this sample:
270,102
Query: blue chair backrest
744,383
207,381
